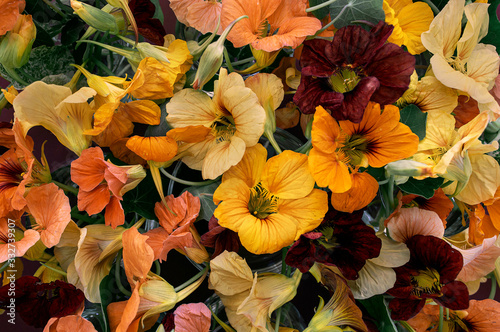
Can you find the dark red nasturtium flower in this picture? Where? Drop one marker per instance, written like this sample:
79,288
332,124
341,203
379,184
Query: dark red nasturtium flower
150,28
356,67
430,273
37,302
220,238
342,240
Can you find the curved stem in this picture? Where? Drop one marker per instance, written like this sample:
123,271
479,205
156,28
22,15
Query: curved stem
4,266
118,277
406,326
187,183
54,269
65,187
493,290
321,5
304,149
435,9
241,62
13,73
157,267
228,62
273,142
191,280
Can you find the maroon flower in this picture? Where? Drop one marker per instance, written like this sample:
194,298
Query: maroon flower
342,240
356,67
430,273
150,28
220,238
36,302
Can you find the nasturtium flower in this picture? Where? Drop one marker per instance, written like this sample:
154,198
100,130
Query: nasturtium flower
192,317
409,19
342,240
271,24
269,204
234,115
103,184
22,240
358,66
430,274
67,115
459,61
363,190
74,323
480,316
199,14
459,156
11,10
339,148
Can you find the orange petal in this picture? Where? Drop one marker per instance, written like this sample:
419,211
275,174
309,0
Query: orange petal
120,151
189,134
74,323
88,170
137,255
160,149
50,207
325,131
118,128
114,215
327,170
363,191
142,111
155,240
186,207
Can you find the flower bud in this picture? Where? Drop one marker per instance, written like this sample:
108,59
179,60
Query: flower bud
95,17
211,60
15,46
409,168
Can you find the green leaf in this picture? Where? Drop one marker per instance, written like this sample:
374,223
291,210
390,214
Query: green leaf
206,194
424,188
414,118
158,11
493,36
377,173
320,13
377,308
142,199
344,12
71,31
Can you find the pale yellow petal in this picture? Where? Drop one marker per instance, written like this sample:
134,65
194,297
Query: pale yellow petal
222,156
229,274
191,107
475,29
268,88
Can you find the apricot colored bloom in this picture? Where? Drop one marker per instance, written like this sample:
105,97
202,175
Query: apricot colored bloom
102,184
234,115
67,115
199,14
481,316
11,9
271,25
461,62
340,148
429,94
356,67
249,300
269,204
74,323
192,317
23,240
340,312
459,156
409,19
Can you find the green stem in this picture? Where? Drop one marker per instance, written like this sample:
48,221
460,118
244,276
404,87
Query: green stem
103,67
390,192
406,326
118,277
191,280
493,290
76,215
441,318
13,73
54,269
273,142
331,22
65,187
304,149
228,62
241,62
54,8
187,183
435,9
290,92
321,5
157,267
4,266
278,318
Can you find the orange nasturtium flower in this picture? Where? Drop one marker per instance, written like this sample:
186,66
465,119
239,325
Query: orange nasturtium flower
235,118
199,14
339,149
11,9
271,24
102,184
269,204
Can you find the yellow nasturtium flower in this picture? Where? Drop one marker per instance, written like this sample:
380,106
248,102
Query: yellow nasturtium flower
269,204
409,19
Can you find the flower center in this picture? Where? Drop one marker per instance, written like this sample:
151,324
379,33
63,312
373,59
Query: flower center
223,129
354,147
426,282
455,323
328,241
262,203
344,80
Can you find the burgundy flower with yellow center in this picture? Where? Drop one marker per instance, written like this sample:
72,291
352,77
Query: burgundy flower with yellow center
356,67
342,240
430,273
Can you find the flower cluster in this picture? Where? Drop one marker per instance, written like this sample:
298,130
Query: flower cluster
269,153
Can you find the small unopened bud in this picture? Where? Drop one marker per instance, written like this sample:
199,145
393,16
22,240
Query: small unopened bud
15,46
409,168
158,52
95,17
211,60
